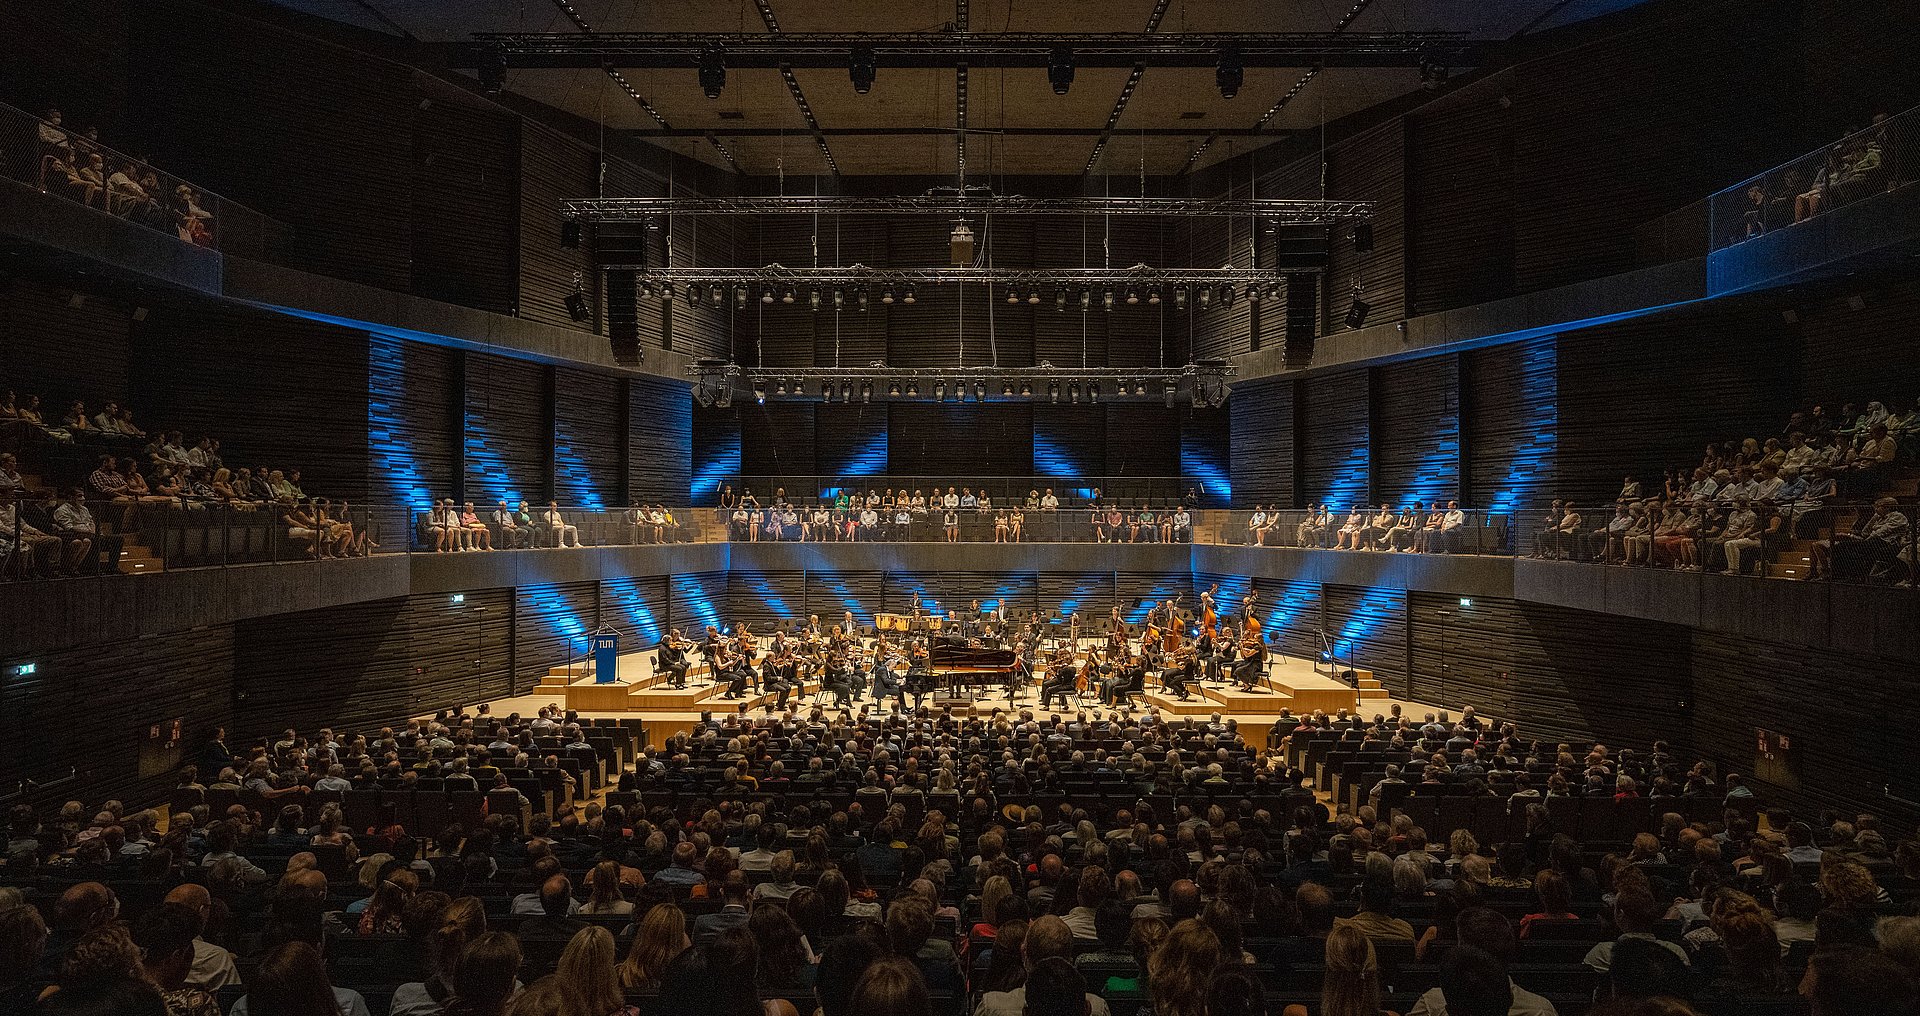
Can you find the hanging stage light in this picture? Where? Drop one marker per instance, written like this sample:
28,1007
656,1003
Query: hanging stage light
1013,296
1133,297
894,389
886,296
787,297
861,67
1153,297
1060,298
1180,297
1230,74
1060,69
713,71
1086,299
913,389
813,299
866,391
939,391
1033,297
839,298
908,298
766,295
740,297
1106,299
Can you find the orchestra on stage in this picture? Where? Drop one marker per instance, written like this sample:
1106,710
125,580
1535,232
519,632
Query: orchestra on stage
979,652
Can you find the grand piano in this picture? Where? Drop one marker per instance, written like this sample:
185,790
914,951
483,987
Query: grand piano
962,666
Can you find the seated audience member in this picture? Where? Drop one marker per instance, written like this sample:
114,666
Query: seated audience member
1634,915
1048,937
288,979
562,532
513,536
1351,985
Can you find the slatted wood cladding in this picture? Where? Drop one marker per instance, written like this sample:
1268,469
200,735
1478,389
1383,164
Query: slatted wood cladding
850,440
1211,243
832,593
1334,456
45,334
1291,615
638,606
466,201
763,598
71,56
1561,674
660,441
1143,440
1856,63
587,418
623,179
1263,454
299,404
553,166
1069,337
1641,396
1849,355
550,627
1459,203
716,452
703,241
1206,453
776,438
310,133
1368,629
414,415
1607,136
370,664
695,600
1069,440
507,441
1509,405
1416,431
943,439
1369,167
1848,718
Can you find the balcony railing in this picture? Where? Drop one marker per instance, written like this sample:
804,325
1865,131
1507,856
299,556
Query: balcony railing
1070,490
1881,158
80,169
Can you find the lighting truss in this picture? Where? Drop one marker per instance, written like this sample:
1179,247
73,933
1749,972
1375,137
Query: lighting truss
1283,211
951,49
1204,383
861,276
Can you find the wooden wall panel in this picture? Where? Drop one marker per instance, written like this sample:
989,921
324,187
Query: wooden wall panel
1143,440
587,417
1090,593
1069,441
638,606
1628,404
660,441
1850,355
715,452
1368,628
1140,592
1846,716
935,439
624,179
776,438
850,440
695,600
366,665
1262,452
43,330
944,591
763,598
553,167
703,328
550,627
1291,615
1459,204
1334,459
832,592
314,134
1206,453
466,204
508,438
1416,431
414,413
302,405
1509,405
107,694
1370,167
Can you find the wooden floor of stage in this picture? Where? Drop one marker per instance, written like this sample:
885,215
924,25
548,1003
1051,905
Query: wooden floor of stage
1288,682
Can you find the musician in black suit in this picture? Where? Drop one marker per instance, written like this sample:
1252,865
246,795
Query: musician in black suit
1129,678
780,674
1251,661
673,659
736,672
1060,681
837,680
882,654
1206,653
1175,678
886,682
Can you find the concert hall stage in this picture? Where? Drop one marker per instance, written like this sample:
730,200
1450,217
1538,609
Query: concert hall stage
1289,682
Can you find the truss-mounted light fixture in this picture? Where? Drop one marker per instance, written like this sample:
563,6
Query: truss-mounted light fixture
1204,383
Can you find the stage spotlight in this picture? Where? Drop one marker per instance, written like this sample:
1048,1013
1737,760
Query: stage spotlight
979,392
695,292
863,299
861,67
908,297
846,391
1362,237
1053,392
1026,391
813,299
1013,295
1139,388
646,290
866,391
1153,297
1033,297
1180,297
666,291
1226,294
940,391
839,298
1060,69
493,70
1433,74
1073,394
1093,392
766,295
1205,293
913,389
886,296
1060,299
826,390
1172,390
780,389
570,233
894,389
1133,297
1230,74
576,301
740,297
1106,299
787,297
1086,299
713,71
716,294
1006,390
760,392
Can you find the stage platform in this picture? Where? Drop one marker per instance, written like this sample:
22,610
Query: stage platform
1288,683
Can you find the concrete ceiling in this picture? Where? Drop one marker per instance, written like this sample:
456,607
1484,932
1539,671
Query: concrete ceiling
919,100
